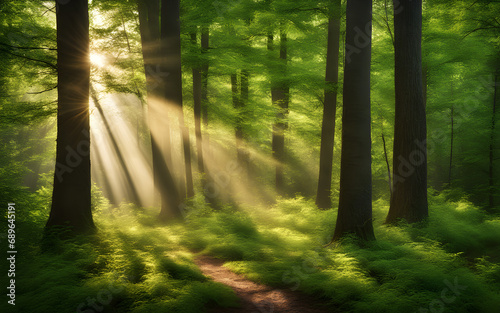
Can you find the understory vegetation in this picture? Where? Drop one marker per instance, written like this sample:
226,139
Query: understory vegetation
138,137
136,264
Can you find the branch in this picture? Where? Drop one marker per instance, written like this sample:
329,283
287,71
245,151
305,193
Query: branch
387,23
27,48
31,59
49,9
40,92
490,1
300,9
472,4
480,28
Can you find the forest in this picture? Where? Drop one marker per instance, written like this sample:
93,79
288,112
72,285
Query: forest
256,156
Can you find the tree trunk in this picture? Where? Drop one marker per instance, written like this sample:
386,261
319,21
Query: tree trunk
388,166
323,200
197,110
204,76
409,200
243,157
160,133
172,83
239,91
71,204
355,203
280,98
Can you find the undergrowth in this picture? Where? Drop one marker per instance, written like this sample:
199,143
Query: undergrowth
448,264
135,264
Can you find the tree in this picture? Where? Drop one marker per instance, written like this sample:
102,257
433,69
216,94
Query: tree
172,82
323,199
239,90
409,198
71,194
149,18
280,98
197,90
205,36
355,203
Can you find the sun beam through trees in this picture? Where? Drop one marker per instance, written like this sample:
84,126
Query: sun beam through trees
250,156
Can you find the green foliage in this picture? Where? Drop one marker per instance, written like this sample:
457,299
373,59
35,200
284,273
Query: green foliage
147,267
126,267
407,268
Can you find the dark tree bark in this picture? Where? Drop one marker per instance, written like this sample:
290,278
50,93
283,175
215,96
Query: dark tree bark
323,200
409,199
172,83
355,203
280,99
71,204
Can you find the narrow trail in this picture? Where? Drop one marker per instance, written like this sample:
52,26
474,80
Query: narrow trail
256,298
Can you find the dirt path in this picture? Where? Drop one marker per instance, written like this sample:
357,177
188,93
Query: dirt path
255,298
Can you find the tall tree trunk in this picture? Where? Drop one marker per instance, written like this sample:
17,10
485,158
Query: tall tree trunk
425,73
204,76
164,182
323,200
172,87
386,157
239,92
409,199
280,98
355,203
243,157
197,110
491,181
71,204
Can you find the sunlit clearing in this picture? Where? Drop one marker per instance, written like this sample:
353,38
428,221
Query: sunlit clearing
98,60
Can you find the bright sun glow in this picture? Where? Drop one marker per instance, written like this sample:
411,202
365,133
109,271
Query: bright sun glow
98,60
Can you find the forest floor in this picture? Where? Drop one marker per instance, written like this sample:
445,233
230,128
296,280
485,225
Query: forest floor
257,298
